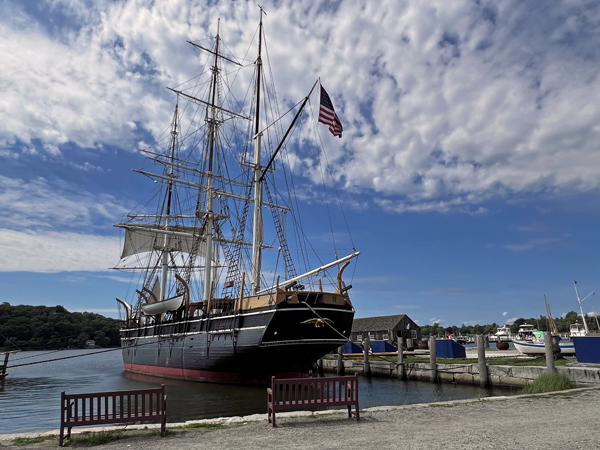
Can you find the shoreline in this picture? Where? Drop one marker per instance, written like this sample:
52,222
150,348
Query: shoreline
551,420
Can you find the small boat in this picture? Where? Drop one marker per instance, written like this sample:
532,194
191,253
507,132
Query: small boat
576,330
536,345
587,344
503,334
169,304
587,348
530,341
525,333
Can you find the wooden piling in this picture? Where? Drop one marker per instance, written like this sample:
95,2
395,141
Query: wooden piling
3,367
400,369
549,348
367,347
432,360
340,360
483,373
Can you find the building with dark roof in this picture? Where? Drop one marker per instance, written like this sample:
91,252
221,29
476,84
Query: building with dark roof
386,328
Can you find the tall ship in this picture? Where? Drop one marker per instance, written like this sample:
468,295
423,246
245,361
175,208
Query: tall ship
206,306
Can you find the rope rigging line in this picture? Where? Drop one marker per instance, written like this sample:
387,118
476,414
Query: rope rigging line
318,136
86,354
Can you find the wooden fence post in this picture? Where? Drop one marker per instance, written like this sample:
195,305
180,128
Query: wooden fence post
483,375
432,360
340,362
400,370
548,347
367,347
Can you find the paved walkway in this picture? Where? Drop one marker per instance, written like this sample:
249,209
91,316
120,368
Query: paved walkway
547,421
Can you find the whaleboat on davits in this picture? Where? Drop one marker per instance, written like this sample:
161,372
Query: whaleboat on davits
204,308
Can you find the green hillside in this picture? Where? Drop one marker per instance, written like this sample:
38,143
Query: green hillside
28,327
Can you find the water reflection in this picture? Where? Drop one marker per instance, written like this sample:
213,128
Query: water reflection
30,400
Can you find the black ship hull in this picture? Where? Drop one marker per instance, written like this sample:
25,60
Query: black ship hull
248,347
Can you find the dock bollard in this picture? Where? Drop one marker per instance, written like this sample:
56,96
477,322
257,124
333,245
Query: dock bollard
432,360
400,369
483,375
340,362
549,348
367,347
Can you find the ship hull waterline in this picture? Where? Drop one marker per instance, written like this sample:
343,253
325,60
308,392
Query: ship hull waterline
247,348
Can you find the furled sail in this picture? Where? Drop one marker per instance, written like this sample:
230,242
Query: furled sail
142,239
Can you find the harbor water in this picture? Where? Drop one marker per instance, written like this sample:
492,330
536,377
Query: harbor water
30,396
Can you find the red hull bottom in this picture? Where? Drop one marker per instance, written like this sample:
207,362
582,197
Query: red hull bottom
215,377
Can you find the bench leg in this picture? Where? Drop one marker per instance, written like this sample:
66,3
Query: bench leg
271,415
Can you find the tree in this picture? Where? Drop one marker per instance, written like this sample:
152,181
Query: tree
41,327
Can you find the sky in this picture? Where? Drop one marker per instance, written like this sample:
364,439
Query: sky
469,168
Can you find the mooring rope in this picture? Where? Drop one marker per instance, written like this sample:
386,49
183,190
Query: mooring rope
78,356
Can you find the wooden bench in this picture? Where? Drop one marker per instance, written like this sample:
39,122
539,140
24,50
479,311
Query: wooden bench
312,393
99,408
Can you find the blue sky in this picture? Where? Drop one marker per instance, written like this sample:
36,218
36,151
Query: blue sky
469,168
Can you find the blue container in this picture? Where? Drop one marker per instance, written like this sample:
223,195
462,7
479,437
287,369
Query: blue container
447,348
382,347
350,347
587,349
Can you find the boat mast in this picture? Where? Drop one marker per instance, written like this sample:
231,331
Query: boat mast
165,255
581,307
257,234
212,126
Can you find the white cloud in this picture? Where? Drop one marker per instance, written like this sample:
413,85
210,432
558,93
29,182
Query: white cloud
39,204
56,252
504,314
511,321
533,243
445,104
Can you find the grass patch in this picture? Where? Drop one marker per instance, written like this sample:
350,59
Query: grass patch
20,441
548,382
206,426
93,438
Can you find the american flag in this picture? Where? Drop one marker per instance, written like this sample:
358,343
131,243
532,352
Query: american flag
328,116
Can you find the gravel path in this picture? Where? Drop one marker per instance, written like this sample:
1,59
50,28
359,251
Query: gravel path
548,421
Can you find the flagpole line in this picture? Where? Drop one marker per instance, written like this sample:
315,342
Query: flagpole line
287,132
287,112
